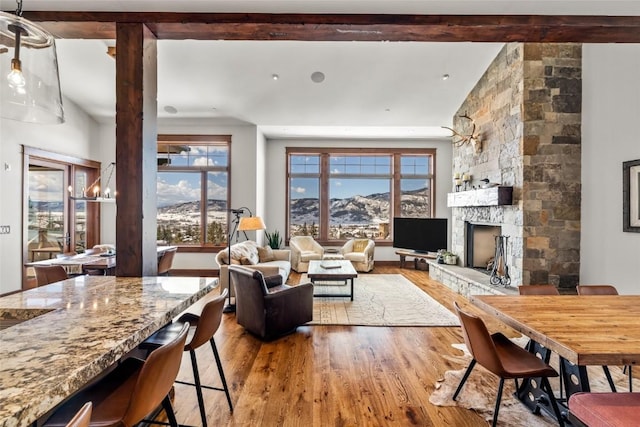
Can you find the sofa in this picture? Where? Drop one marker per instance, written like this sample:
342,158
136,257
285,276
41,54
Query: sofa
360,253
269,261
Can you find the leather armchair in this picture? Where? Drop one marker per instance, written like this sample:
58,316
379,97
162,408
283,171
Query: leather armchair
362,259
303,250
266,307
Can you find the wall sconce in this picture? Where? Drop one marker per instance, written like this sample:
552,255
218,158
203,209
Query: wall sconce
29,81
472,138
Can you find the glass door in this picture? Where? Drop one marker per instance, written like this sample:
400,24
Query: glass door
47,225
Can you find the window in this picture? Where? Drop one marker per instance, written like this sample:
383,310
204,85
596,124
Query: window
335,194
193,189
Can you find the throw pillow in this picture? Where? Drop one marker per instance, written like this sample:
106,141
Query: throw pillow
266,254
359,245
245,261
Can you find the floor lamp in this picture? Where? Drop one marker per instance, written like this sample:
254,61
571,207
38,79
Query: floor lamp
240,224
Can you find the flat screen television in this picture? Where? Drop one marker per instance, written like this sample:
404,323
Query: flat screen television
420,234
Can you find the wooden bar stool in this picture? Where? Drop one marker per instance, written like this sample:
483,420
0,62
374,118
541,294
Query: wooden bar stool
131,391
46,274
82,418
206,325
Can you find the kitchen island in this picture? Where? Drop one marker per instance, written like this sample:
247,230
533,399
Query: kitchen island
57,337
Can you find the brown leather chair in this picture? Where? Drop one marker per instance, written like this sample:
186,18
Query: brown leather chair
165,262
605,290
206,325
266,307
46,274
503,358
82,418
538,290
131,391
596,290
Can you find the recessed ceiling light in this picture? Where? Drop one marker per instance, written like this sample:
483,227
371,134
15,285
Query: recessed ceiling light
445,77
170,109
317,76
275,76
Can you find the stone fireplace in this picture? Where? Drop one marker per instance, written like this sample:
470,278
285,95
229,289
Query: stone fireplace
527,107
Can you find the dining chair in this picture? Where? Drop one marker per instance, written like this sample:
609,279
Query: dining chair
500,356
46,274
131,391
82,418
166,261
206,325
538,290
606,290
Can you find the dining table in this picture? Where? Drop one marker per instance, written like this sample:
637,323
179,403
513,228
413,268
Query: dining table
56,338
582,330
103,262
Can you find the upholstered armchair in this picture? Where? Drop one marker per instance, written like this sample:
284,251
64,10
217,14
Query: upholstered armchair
360,253
267,308
303,250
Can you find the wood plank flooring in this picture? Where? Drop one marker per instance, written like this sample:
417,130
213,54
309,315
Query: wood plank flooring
331,375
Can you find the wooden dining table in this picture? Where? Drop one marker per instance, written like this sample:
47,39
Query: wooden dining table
583,330
81,263
57,337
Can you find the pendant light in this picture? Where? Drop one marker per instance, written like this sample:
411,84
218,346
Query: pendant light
29,81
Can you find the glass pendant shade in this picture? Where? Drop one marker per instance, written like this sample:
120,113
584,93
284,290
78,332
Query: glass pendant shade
29,81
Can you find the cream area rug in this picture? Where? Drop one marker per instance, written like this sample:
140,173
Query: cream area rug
479,392
379,300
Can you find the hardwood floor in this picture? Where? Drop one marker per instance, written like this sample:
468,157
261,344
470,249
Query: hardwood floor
331,375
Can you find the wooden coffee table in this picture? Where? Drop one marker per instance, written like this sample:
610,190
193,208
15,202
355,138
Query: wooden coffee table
343,270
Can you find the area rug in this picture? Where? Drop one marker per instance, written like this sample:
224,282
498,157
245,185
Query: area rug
479,392
379,300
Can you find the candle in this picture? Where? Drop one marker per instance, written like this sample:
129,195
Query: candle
458,182
96,191
70,189
83,192
107,192
466,177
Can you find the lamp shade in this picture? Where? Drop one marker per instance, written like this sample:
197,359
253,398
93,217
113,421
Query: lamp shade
251,223
29,81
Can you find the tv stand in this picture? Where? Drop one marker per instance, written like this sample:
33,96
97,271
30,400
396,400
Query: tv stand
404,253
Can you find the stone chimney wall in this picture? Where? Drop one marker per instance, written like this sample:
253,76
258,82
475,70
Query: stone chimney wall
527,107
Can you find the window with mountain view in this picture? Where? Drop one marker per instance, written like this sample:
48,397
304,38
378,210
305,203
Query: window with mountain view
337,194
192,189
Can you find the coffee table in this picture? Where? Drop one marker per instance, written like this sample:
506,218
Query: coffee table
319,271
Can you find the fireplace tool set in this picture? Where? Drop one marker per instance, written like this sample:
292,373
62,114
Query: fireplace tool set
500,270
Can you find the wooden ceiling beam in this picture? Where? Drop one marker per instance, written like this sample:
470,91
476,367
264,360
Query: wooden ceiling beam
346,27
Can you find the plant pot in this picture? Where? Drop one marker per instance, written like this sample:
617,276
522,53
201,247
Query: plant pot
451,259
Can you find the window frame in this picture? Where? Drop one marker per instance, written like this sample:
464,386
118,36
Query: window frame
324,177
202,140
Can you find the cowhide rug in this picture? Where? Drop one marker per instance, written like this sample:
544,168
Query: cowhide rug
479,392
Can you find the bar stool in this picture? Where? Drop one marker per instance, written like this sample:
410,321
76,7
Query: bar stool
46,274
131,391
206,324
82,418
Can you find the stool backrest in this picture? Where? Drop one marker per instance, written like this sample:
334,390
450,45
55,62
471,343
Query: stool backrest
82,418
46,274
156,378
209,322
166,261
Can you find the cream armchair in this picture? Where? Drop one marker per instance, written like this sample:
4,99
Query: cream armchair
360,253
303,250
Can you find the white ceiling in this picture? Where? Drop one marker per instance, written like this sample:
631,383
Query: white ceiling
371,89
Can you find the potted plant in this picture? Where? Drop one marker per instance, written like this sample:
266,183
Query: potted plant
449,258
273,239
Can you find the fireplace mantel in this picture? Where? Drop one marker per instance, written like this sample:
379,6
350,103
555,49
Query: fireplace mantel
492,196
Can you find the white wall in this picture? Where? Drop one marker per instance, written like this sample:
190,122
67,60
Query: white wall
610,115
245,173
275,215
75,137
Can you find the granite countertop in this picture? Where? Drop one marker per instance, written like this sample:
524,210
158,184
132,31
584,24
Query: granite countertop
59,336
